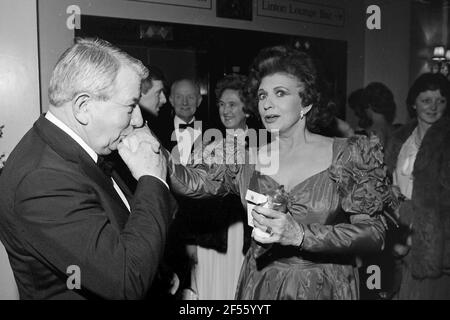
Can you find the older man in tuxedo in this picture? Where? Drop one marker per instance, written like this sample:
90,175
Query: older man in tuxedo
71,228
181,131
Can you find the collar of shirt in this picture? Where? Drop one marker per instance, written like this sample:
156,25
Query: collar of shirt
177,121
53,119
194,132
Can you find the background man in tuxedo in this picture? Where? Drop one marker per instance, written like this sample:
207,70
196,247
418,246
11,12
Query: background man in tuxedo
153,97
178,134
58,209
180,129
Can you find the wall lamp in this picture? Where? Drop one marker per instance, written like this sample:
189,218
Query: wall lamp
440,60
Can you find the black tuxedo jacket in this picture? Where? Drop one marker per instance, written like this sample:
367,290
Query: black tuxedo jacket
161,126
58,209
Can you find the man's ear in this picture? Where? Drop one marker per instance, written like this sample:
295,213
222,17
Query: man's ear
80,108
171,100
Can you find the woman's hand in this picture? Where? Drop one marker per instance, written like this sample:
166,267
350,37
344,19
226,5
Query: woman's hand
281,226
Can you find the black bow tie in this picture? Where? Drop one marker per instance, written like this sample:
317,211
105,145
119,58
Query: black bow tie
247,142
105,165
183,126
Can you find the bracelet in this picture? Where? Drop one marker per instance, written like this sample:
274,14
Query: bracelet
303,236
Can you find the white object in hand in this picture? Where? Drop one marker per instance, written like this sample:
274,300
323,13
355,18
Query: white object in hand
254,199
258,232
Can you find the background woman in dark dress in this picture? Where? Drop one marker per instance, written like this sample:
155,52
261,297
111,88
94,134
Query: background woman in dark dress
336,190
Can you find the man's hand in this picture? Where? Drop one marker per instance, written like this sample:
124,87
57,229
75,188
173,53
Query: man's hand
140,152
146,134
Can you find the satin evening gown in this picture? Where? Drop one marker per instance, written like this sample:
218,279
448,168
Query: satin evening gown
340,208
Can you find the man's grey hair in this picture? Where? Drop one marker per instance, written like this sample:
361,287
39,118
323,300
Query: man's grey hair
90,65
193,82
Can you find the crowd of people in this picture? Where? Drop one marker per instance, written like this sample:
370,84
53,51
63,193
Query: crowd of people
159,205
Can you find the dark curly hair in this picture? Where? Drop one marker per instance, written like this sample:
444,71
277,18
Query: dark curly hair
283,59
238,83
425,82
378,98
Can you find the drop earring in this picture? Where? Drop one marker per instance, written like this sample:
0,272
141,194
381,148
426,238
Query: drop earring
302,115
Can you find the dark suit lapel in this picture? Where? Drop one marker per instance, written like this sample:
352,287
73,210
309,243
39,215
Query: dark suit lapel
71,151
116,211
163,128
123,186
171,131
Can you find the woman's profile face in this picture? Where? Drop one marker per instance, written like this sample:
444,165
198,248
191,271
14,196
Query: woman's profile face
279,103
231,110
430,106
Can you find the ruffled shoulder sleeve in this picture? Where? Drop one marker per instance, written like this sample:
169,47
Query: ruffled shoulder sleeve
361,177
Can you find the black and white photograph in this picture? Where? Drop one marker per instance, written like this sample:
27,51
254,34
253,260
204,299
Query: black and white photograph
213,157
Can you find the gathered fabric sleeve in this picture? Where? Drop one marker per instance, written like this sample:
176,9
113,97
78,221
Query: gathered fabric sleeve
365,192
201,180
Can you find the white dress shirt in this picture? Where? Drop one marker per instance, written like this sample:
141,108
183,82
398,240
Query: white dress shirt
403,173
185,138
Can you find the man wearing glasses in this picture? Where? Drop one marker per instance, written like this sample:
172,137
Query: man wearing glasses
63,214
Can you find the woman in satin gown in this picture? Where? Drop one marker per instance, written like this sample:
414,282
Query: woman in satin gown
336,189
